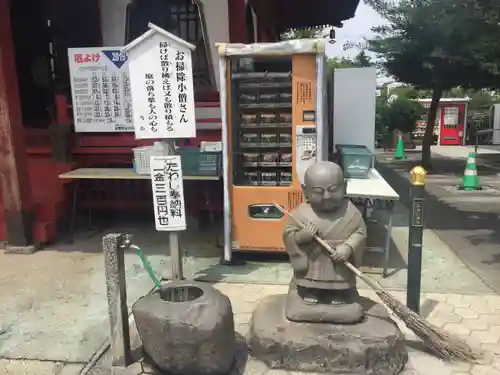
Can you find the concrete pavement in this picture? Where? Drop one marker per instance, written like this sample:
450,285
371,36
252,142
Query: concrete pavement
59,296
467,222
461,152
54,313
488,156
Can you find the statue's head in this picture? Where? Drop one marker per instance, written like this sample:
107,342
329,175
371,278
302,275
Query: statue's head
324,186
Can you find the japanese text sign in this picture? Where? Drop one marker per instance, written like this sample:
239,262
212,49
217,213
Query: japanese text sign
161,80
100,89
168,193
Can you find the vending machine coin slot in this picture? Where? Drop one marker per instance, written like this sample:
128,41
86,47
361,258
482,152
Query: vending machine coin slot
264,211
305,149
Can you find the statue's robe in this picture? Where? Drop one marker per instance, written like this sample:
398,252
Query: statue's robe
311,263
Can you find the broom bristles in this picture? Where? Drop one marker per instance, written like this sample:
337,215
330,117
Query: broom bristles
442,343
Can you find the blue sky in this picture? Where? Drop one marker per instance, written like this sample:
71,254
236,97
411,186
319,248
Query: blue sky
354,30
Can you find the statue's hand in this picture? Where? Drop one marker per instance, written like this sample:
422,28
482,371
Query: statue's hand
306,234
342,253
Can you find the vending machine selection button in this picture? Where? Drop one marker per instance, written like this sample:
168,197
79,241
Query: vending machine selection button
264,211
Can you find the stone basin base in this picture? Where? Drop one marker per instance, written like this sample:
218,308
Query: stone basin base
187,328
375,346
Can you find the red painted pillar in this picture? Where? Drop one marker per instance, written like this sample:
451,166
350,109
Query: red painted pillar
237,25
14,178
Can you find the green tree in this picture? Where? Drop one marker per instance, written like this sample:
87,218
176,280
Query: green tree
339,63
480,100
361,60
401,114
381,116
438,45
305,33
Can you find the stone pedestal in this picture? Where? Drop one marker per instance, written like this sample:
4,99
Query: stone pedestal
349,311
187,328
373,346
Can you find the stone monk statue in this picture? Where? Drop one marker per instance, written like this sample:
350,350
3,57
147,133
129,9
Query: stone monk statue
323,289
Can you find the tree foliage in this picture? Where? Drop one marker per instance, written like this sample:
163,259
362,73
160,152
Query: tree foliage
479,99
305,33
361,60
438,45
401,114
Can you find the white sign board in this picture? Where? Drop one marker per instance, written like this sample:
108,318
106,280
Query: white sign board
168,193
161,78
354,97
100,88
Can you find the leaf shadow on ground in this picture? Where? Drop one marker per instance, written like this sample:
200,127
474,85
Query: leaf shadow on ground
468,228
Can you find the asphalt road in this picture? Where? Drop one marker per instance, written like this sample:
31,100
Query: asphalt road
468,222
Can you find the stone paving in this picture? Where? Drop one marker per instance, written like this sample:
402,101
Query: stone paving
476,318
473,317
54,313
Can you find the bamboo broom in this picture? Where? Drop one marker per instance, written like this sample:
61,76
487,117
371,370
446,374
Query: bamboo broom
440,342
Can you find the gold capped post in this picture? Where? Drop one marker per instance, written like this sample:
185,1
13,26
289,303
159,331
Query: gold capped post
415,238
418,174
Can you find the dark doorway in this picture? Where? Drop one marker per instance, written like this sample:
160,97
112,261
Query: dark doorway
179,17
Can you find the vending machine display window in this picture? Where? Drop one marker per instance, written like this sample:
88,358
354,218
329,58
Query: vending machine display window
272,118
261,112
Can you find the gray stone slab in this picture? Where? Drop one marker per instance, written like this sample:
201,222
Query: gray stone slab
71,369
374,346
26,250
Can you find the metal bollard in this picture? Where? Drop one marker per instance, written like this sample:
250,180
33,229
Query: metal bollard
415,238
113,246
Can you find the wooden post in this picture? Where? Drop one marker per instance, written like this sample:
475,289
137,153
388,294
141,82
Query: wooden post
14,176
175,251
237,26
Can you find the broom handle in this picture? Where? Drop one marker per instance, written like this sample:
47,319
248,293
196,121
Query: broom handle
372,283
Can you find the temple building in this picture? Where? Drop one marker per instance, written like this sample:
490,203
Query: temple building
38,141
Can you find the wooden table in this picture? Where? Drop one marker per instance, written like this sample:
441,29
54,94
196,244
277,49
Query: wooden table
114,174
375,188
119,174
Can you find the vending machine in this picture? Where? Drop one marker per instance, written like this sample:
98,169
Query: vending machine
272,98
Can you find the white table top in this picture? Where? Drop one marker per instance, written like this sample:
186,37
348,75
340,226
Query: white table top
374,187
117,174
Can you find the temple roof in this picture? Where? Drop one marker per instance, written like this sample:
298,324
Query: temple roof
310,13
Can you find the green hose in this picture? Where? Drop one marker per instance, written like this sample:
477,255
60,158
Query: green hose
147,266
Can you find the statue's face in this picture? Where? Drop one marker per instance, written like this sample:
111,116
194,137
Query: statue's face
325,193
